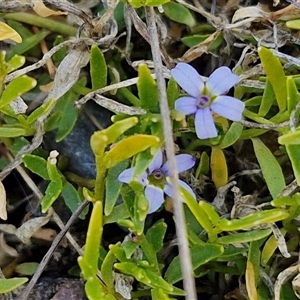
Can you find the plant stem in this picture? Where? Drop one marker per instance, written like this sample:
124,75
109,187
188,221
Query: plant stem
47,23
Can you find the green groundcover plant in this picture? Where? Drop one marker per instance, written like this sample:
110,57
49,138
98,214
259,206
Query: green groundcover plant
146,170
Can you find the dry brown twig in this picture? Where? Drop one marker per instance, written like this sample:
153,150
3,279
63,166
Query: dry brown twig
181,230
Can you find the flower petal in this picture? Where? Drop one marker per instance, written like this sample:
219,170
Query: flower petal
221,80
168,189
187,187
183,162
188,78
204,124
228,107
186,105
127,176
155,197
156,162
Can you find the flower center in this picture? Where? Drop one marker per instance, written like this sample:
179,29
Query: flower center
203,101
157,178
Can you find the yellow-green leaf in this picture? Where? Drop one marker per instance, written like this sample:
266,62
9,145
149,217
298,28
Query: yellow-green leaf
270,167
129,147
7,285
275,75
6,32
218,167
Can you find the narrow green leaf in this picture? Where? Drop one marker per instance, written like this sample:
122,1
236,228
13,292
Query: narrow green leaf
203,167
128,147
218,167
275,75
98,68
12,132
267,100
69,116
244,237
36,164
41,110
293,24
292,94
107,269
94,236
200,254
155,235
294,156
103,138
270,167
15,63
72,198
290,138
27,43
51,194
179,13
147,88
232,135
255,219
10,284
113,186
15,88
95,290
172,92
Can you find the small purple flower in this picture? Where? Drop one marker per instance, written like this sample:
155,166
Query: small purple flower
154,179
207,97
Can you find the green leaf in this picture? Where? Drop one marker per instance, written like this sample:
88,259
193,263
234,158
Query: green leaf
27,268
290,138
8,285
218,165
147,88
103,138
41,110
36,164
15,63
292,94
140,3
128,147
142,161
69,116
179,13
72,198
200,254
98,69
244,237
107,269
269,248
270,167
12,132
172,92
155,235
51,194
275,75
27,43
95,290
203,167
293,24
15,88
8,33
294,156
254,219
94,236
232,135
267,99
113,186
119,212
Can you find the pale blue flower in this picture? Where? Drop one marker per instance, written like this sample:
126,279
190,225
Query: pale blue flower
155,178
207,97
